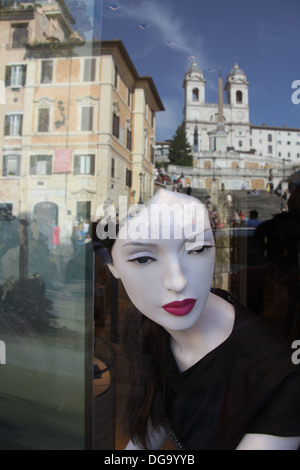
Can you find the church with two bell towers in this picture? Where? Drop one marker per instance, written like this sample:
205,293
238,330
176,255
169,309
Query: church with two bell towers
202,120
228,151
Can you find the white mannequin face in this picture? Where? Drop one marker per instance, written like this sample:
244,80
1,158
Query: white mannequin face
157,271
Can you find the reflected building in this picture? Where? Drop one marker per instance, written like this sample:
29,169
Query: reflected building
78,124
227,148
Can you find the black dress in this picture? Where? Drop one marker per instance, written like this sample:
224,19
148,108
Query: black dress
248,384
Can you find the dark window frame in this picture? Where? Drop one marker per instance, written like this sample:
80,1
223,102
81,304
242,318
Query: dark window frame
19,40
34,167
8,125
5,165
43,120
46,71
239,97
87,118
9,74
77,164
116,125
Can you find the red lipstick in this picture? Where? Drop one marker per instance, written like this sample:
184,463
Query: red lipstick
180,308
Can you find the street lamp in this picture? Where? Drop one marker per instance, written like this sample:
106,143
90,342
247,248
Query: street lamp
141,178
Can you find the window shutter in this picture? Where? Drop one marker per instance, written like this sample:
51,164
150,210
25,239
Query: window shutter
8,75
49,165
92,164
129,139
76,164
24,68
21,125
33,159
87,118
4,169
128,177
7,125
116,125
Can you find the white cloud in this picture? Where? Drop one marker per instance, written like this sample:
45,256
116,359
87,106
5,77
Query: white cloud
163,19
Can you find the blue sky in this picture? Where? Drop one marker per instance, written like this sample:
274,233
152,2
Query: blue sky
263,36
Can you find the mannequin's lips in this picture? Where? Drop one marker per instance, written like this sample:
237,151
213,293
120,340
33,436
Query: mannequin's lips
180,308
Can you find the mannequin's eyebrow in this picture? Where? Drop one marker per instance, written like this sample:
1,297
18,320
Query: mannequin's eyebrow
205,233
151,245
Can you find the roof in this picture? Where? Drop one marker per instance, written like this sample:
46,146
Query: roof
273,128
108,46
194,68
236,70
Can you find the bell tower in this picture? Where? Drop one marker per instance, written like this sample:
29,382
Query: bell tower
236,88
194,99
194,86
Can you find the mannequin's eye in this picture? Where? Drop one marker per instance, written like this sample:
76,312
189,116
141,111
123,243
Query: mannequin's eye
199,250
143,260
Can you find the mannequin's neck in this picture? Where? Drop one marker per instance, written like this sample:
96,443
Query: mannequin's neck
212,328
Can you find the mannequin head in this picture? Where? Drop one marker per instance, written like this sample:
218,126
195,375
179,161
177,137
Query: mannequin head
165,254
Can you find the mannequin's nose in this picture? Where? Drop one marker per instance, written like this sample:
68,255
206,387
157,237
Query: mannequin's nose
174,278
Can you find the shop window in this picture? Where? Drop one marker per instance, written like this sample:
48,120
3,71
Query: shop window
41,165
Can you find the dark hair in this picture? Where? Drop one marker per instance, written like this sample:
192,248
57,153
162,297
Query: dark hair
253,214
144,345
102,248
294,201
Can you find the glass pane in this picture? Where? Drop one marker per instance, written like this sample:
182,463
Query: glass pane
46,274
90,124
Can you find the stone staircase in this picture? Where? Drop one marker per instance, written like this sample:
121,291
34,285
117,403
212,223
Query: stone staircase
266,206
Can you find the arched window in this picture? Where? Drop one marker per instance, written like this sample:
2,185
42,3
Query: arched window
239,96
195,94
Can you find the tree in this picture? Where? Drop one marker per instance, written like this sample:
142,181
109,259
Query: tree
180,152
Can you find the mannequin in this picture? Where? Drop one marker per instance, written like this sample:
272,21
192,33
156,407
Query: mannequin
166,265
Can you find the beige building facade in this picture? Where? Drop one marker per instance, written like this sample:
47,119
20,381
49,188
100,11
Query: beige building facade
78,123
